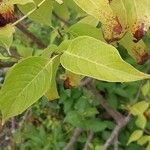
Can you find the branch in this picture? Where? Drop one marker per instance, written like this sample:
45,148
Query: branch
29,13
118,117
30,35
125,121
73,139
24,118
89,139
13,128
86,81
116,131
116,143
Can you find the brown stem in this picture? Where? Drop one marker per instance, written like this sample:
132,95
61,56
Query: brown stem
116,143
73,139
89,139
116,131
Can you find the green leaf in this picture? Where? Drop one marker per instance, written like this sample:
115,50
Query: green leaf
24,51
90,57
84,108
139,108
95,125
64,46
143,140
148,146
2,57
73,7
137,50
62,10
146,89
6,36
81,29
25,84
75,119
135,136
42,15
52,93
89,20
141,121
90,112
22,2
48,52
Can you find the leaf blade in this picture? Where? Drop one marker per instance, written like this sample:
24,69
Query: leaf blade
31,77
90,57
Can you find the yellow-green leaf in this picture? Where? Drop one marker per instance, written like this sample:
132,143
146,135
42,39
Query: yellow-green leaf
137,50
90,57
89,20
141,121
42,15
148,146
52,93
25,83
139,108
146,89
101,10
81,29
21,2
121,13
62,10
6,36
143,140
135,136
138,17
2,57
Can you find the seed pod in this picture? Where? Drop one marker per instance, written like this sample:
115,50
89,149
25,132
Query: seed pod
6,12
67,84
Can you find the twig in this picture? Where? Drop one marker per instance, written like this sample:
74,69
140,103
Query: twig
86,81
116,132
73,139
118,117
30,35
89,139
24,118
13,125
147,132
116,143
29,13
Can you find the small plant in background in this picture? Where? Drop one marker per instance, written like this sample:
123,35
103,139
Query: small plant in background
72,74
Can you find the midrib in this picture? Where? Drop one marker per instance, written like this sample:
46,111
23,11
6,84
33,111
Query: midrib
101,65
